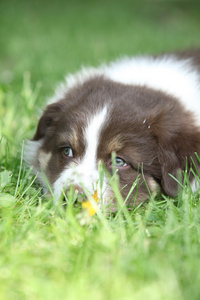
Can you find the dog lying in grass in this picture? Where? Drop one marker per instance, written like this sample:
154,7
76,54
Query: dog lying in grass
144,109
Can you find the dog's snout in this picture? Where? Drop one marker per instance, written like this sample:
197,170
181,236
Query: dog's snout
77,194
79,191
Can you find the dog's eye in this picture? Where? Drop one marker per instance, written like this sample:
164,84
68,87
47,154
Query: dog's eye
67,151
119,162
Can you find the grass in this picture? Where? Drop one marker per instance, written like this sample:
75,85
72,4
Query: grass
46,253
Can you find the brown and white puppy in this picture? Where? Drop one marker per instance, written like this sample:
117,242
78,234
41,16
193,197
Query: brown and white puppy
145,109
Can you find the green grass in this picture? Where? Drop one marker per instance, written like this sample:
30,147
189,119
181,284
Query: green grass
151,252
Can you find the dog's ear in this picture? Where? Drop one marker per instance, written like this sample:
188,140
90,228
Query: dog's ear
171,166
48,119
178,140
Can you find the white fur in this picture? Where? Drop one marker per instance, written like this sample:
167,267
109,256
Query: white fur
31,152
31,157
85,173
175,77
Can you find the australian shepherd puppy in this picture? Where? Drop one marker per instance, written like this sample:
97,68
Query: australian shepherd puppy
145,109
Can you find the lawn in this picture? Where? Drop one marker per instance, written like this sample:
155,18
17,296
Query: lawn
149,253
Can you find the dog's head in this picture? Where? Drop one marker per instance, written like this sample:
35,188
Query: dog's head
149,132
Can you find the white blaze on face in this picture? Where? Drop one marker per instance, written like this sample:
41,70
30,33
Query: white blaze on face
85,173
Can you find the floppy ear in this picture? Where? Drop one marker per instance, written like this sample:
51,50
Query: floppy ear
170,165
48,119
178,139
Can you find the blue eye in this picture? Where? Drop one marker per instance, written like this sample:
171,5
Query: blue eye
120,162
67,151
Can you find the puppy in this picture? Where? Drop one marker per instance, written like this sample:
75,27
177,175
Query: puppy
144,109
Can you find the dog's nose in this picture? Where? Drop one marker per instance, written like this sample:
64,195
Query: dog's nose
79,192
